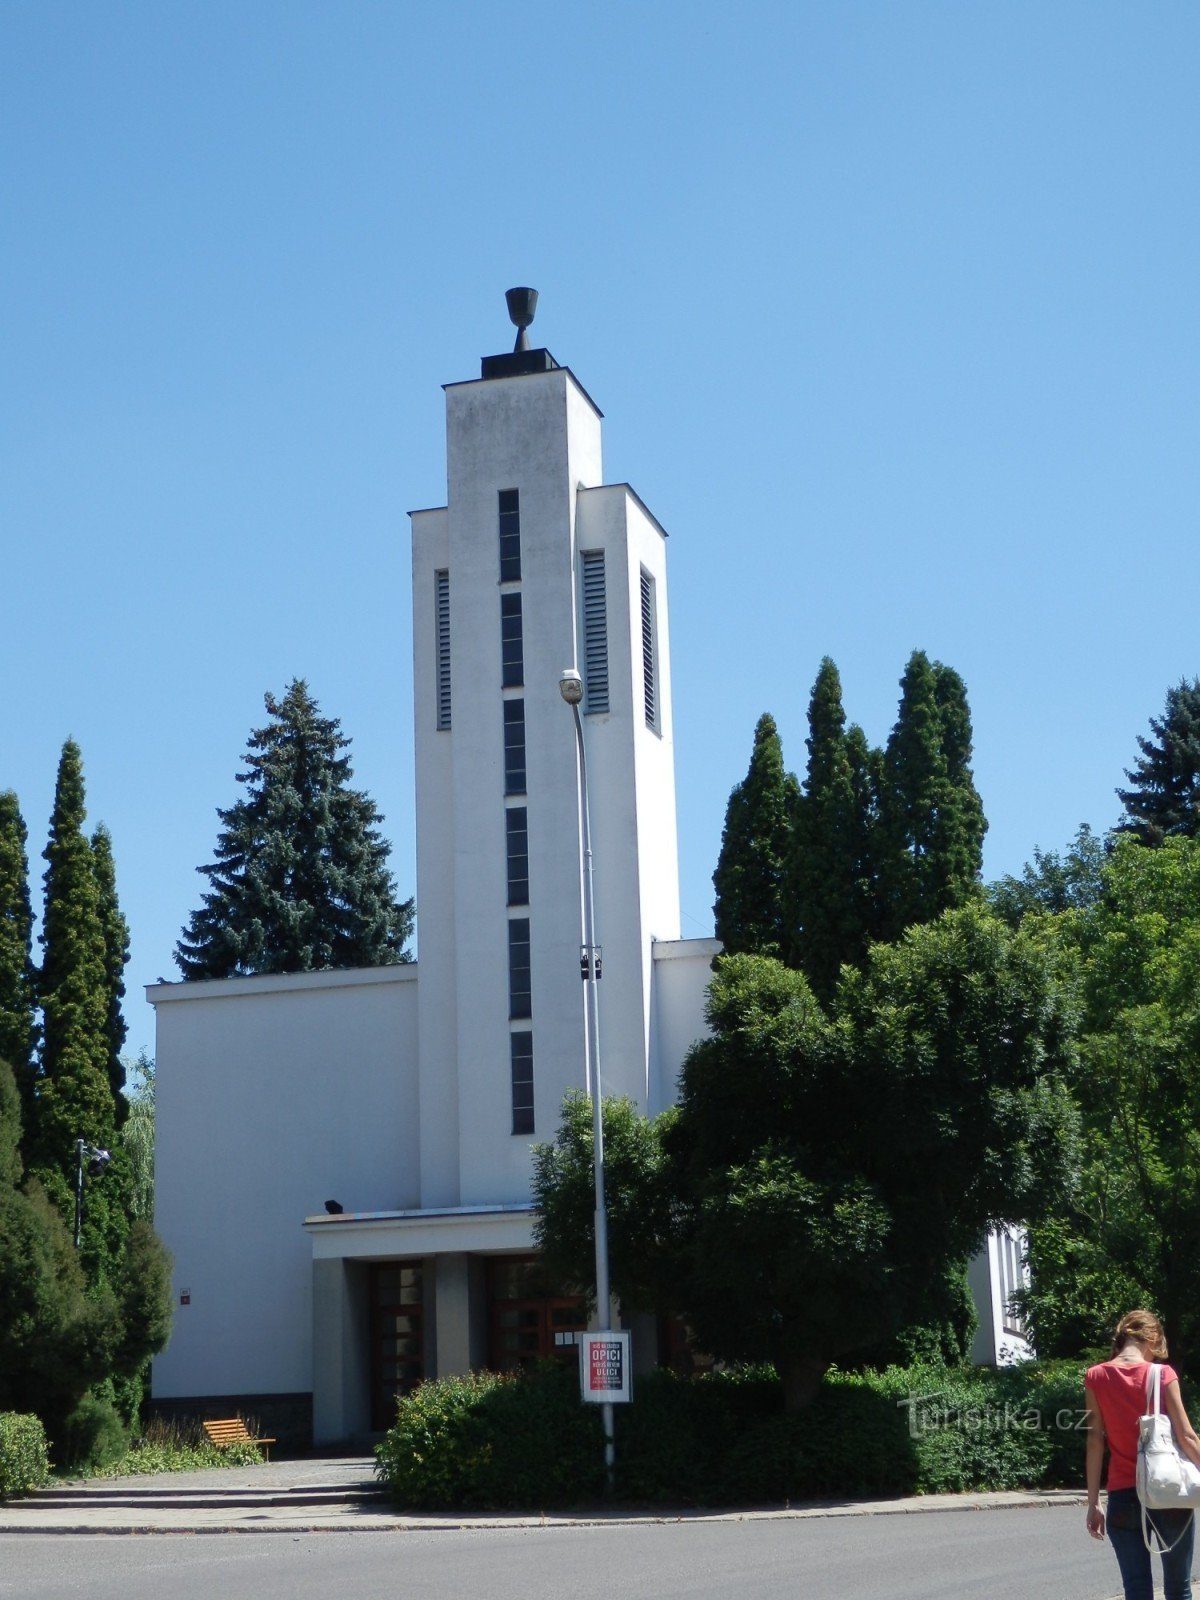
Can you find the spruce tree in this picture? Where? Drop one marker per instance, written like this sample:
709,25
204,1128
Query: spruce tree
18,995
931,816
829,876
74,1098
1163,801
300,882
749,908
116,954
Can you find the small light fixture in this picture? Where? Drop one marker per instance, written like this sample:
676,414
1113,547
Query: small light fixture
570,686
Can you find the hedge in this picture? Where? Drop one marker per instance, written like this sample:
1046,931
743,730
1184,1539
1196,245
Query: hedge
24,1463
489,1441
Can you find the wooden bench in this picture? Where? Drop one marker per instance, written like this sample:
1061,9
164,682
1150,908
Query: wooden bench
232,1430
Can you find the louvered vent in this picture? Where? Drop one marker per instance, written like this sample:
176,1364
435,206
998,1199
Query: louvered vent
595,632
649,663
441,587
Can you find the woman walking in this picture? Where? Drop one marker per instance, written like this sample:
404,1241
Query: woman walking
1117,1396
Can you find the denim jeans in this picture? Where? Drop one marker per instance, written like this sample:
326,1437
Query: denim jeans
1124,1524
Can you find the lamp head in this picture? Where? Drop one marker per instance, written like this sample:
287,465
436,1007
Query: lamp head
570,686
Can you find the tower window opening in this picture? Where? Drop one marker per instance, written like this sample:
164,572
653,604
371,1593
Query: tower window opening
522,1081
514,747
520,978
510,535
516,830
512,659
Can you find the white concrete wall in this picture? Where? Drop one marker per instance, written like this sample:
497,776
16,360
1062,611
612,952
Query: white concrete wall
273,1096
682,974
437,859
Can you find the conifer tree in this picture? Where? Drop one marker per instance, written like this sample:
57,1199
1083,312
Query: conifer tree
829,876
300,882
749,910
18,995
116,954
73,1092
931,816
1163,800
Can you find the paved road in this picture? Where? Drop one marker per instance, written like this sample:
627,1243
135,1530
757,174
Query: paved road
985,1555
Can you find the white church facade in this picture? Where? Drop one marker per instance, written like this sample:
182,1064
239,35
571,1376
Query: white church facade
410,1097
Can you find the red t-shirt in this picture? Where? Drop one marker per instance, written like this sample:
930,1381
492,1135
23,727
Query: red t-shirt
1122,1391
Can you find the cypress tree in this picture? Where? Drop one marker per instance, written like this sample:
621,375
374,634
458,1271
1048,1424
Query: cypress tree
300,881
116,954
961,825
1163,801
829,878
749,908
74,1098
18,995
931,816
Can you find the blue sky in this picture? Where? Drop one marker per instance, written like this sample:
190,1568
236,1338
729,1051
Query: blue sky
892,309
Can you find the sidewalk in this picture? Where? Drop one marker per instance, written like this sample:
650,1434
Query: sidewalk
341,1495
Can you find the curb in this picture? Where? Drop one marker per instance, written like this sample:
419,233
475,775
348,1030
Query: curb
398,1524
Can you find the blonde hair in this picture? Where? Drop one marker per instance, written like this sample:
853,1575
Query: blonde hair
1144,1328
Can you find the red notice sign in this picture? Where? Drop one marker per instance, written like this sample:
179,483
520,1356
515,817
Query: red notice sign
604,1366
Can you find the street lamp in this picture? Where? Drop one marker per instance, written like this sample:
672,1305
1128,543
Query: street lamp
570,686
96,1160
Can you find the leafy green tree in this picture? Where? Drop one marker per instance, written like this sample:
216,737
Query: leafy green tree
58,1338
18,994
931,816
639,1202
1163,800
830,889
749,910
1052,882
300,882
827,1175
1135,1223
137,1138
116,954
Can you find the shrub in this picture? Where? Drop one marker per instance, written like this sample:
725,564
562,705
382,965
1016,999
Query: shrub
672,1442
490,1441
23,1461
94,1435
173,1445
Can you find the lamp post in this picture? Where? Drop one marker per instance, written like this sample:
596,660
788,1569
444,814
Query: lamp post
570,686
97,1160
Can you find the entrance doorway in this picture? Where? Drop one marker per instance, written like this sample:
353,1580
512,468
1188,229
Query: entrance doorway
530,1318
397,1336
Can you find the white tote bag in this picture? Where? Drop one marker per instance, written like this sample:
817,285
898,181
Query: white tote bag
1166,1480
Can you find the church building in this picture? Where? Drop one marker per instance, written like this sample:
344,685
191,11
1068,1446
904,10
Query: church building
344,1157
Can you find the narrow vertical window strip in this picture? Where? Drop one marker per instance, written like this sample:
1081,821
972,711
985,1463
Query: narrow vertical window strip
520,986
510,535
514,747
649,663
522,1081
441,584
512,648
516,829
595,632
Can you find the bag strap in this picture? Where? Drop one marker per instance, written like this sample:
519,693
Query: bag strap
1154,1380
1161,1542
